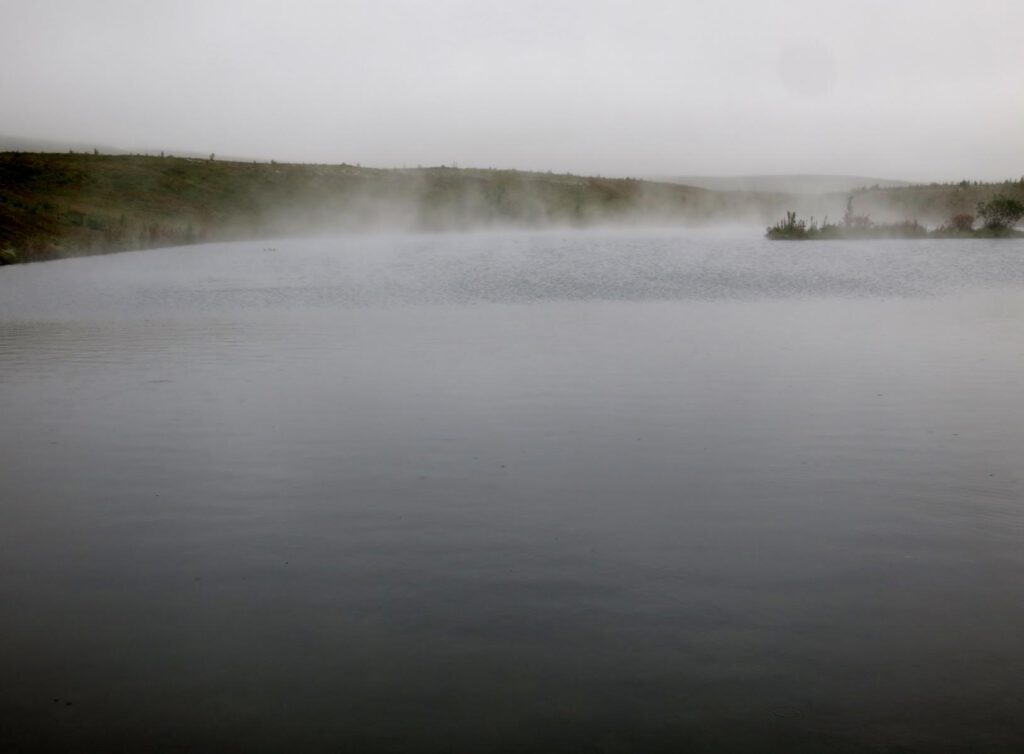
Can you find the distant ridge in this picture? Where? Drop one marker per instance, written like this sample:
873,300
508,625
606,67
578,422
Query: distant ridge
785,184
44,146
29,144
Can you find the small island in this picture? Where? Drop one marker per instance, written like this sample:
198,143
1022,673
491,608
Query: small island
998,217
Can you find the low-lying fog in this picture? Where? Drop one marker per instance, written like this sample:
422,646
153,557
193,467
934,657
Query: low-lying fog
497,267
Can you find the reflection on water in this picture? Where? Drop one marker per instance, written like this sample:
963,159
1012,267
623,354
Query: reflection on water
621,492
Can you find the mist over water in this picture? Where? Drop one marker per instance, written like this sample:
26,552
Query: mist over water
256,279
616,491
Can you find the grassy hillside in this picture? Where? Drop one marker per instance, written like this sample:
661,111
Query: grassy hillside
784,184
54,205
63,204
933,204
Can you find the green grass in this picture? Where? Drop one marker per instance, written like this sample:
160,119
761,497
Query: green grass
54,205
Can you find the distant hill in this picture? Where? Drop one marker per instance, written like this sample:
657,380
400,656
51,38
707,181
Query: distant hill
783,184
29,144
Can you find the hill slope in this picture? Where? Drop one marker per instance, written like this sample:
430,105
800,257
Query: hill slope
60,204
784,184
57,204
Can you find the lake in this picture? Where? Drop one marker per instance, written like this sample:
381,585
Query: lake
630,491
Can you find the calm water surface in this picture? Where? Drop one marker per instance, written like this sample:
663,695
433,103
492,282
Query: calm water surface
555,492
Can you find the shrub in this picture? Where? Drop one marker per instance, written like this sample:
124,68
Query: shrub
962,222
1000,212
851,220
788,228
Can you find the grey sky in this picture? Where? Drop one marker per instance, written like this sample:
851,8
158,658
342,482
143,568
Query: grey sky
918,90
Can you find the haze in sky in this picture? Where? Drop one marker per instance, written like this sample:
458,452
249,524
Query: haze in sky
912,89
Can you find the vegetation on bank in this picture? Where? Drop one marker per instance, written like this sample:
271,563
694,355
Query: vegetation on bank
998,217
933,204
65,204
55,205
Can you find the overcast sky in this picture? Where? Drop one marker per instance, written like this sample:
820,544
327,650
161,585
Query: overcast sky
928,90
